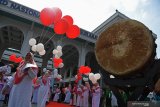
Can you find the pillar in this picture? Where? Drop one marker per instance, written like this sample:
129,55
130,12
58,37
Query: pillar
81,56
25,46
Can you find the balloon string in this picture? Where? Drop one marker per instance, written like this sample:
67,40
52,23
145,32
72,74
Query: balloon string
41,34
49,39
44,34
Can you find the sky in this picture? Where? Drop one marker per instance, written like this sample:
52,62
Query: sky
89,14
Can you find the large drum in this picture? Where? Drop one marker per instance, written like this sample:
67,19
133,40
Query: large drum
124,47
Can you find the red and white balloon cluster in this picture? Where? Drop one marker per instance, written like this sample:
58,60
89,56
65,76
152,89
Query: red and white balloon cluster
37,48
62,25
94,77
84,70
15,59
58,62
57,76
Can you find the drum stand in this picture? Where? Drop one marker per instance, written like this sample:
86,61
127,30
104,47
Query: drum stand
139,86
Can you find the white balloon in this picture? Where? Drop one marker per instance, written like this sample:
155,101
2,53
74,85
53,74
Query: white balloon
56,56
42,52
61,65
94,81
59,76
34,48
97,76
55,51
59,53
32,42
91,76
59,48
40,47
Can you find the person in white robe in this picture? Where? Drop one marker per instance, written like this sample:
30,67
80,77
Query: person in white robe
6,69
36,86
96,94
57,93
21,92
114,100
44,89
74,91
2,83
79,96
86,90
68,95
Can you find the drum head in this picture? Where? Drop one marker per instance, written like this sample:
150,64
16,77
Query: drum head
124,47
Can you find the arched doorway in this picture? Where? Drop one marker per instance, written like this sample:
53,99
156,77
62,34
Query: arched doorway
92,62
10,37
70,59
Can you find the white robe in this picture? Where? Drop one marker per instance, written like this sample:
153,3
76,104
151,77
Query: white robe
20,95
85,96
79,97
114,100
43,93
96,97
35,95
74,95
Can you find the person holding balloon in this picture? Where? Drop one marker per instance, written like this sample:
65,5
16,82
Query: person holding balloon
21,92
86,89
44,88
96,94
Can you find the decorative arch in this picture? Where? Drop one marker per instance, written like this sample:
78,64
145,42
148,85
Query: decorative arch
70,57
11,37
13,25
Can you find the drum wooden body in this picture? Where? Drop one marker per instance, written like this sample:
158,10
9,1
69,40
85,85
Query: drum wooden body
124,47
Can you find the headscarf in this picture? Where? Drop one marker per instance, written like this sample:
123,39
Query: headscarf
20,73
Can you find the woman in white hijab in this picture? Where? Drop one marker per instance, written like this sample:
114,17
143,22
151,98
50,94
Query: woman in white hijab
44,89
21,92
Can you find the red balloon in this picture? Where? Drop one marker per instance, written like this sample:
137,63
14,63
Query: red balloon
19,59
57,14
12,57
61,27
69,19
46,16
84,69
73,32
57,61
16,60
56,65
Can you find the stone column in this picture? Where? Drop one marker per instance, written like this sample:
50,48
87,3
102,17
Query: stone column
82,52
25,46
70,75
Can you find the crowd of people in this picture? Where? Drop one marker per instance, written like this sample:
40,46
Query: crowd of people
24,84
